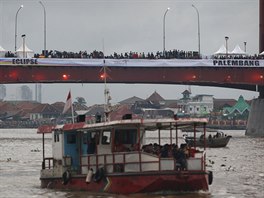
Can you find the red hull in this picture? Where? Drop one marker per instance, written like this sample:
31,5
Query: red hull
129,184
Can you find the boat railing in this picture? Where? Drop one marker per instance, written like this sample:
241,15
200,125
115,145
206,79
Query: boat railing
138,161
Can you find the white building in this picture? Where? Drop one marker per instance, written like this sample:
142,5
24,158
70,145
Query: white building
200,105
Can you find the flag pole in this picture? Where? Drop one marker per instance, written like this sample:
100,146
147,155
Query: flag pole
68,105
72,110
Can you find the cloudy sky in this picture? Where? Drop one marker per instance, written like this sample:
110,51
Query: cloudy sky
130,25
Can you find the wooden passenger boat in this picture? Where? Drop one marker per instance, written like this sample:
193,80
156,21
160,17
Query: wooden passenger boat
216,141
113,157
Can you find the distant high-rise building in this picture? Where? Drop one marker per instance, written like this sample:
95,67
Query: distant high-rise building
24,93
2,92
38,92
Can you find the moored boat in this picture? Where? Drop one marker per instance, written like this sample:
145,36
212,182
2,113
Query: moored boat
114,157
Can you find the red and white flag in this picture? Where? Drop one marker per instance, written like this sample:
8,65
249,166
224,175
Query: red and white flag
68,103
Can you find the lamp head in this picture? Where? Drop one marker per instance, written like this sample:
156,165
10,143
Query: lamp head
226,37
21,6
23,35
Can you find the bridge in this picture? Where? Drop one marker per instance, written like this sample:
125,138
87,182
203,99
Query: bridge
244,74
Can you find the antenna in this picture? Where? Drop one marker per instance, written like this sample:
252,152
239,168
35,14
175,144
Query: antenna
107,105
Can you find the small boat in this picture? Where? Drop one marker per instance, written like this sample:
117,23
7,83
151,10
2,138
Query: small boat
116,157
216,141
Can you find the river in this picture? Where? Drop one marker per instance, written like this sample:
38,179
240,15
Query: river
238,169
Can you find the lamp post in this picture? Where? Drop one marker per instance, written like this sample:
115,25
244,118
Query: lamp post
24,45
16,27
226,38
199,44
245,46
44,27
164,30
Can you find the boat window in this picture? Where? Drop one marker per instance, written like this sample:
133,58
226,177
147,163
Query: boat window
56,137
106,137
92,141
71,139
126,136
95,136
85,137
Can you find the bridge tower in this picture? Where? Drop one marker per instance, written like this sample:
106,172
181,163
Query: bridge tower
255,125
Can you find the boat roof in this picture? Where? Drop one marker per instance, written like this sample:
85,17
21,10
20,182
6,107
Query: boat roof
148,124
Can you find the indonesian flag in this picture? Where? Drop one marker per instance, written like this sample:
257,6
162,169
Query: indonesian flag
68,103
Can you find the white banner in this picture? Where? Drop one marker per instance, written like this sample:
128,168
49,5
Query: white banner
136,62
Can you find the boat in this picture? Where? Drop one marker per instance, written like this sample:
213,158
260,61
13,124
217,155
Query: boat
116,157
216,141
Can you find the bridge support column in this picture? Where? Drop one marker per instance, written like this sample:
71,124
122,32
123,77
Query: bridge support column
255,124
261,26
261,92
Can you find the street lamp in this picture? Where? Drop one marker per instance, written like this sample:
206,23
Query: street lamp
44,27
38,86
245,46
199,44
226,38
24,45
164,30
16,27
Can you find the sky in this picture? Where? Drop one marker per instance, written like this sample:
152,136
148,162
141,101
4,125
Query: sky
129,25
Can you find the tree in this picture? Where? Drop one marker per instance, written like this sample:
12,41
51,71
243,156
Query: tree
80,100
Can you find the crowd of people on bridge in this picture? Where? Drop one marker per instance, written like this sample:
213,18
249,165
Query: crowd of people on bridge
239,57
180,54
170,54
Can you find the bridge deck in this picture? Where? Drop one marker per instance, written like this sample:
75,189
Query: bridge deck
235,73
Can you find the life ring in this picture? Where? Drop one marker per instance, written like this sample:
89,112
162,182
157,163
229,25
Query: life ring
66,177
98,175
210,177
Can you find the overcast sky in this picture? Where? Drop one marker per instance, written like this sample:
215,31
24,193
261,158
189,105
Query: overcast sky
130,25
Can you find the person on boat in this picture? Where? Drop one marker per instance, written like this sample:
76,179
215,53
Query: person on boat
175,149
156,149
171,150
135,147
180,156
148,148
119,147
104,140
202,138
91,146
164,151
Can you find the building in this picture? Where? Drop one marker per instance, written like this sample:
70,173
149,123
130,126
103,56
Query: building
239,111
200,105
24,93
2,92
44,111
